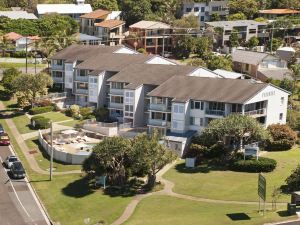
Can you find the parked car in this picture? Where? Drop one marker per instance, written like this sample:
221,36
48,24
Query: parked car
1,129
17,170
10,160
4,139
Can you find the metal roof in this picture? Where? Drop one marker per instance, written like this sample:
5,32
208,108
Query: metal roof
18,15
63,8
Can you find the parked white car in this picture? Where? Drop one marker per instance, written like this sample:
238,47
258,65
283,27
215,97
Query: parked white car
10,160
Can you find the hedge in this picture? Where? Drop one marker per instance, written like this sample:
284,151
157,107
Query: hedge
254,166
40,122
281,145
39,110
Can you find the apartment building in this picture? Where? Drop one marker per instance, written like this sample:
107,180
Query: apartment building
153,36
105,25
245,28
149,90
259,65
205,9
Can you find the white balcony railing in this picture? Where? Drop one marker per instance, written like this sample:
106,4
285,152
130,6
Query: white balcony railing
256,112
215,112
57,67
114,91
81,91
58,79
114,105
159,107
160,123
82,78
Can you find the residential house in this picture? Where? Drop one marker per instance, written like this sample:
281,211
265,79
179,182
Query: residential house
73,10
105,25
259,65
149,90
152,36
221,31
20,42
273,14
19,14
205,9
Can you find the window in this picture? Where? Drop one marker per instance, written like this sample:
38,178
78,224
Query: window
215,8
227,32
57,74
196,9
82,73
216,106
202,9
82,86
58,62
192,120
175,125
282,100
69,67
158,116
202,18
93,80
129,108
201,122
197,105
280,116
178,109
117,85
116,99
188,10
247,67
252,31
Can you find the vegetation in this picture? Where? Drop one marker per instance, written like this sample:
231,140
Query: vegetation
8,77
293,181
253,42
111,5
184,46
237,16
39,110
254,166
234,39
219,62
282,137
40,122
249,7
101,114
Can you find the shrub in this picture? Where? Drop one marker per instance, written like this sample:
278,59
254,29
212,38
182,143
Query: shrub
20,54
283,137
101,114
254,166
44,102
39,110
85,112
40,122
195,151
293,181
73,110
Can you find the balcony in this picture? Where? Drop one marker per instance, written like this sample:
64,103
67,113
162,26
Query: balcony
82,78
58,79
159,107
215,112
115,35
114,91
114,105
257,112
158,123
82,91
57,67
263,35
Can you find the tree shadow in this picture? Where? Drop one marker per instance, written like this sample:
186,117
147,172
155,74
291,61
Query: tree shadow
284,189
79,188
238,216
132,188
284,213
202,168
4,96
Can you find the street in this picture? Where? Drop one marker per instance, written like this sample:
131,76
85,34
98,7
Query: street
17,203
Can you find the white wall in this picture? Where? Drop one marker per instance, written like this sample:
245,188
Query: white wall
94,88
125,50
179,118
160,60
139,100
69,73
201,72
274,107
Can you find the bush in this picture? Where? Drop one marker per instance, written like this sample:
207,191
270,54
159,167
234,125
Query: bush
283,137
20,54
73,111
293,181
39,110
85,112
195,151
254,166
40,122
44,103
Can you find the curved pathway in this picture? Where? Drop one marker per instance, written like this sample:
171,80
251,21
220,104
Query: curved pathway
26,151
168,190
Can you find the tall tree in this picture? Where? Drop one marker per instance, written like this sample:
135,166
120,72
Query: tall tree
184,46
135,11
187,22
247,7
253,42
150,156
237,16
203,47
234,39
219,62
8,77
104,4
111,158
30,86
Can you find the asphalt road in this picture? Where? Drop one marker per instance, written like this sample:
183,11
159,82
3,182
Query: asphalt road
18,205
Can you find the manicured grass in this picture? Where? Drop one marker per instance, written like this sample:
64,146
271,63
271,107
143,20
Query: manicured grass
72,123
19,65
227,185
68,198
166,210
22,123
56,116
42,158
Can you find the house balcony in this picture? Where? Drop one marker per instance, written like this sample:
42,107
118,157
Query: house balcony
256,113
57,67
158,123
82,78
263,35
81,91
116,35
114,105
160,107
58,79
215,112
114,91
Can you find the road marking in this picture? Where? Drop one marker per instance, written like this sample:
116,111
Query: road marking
16,193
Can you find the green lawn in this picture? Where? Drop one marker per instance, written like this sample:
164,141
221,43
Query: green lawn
228,185
22,123
42,158
69,199
72,123
166,210
19,65
56,116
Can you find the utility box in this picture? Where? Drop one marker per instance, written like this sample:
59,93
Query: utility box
190,162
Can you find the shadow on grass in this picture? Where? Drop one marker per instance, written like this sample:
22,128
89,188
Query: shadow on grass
4,96
79,188
132,188
203,168
283,213
238,216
